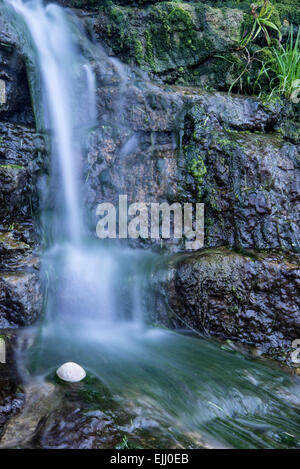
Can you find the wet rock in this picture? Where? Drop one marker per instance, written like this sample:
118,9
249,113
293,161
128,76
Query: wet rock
20,298
21,160
167,38
250,187
252,298
89,417
20,163
77,428
14,189
15,104
18,246
40,399
150,137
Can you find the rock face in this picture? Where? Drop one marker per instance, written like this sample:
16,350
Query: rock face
21,153
20,297
15,104
249,181
11,397
186,145
170,38
248,297
238,155
186,42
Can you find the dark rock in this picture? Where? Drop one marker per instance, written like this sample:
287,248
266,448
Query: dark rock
251,183
20,298
169,38
11,395
150,136
252,298
20,163
15,104
77,428
18,246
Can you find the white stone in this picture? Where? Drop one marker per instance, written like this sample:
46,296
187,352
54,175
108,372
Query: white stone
71,372
2,92
2,351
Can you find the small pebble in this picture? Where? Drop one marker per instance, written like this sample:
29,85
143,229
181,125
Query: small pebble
71,372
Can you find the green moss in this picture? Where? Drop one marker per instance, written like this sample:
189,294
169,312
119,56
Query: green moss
182,21
195,166
286,9
149,58
117,15
11,166
236,294
181,18
272,15
171,36
183,41
223,141
198,170
289,10
138,51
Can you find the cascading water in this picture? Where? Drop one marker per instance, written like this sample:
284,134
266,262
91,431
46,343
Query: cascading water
191,389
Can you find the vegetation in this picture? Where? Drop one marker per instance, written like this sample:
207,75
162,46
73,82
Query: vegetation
11,166
272,69
198,169
283,67
261,14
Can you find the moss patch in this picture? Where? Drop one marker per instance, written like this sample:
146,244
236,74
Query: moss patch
13,167
169,37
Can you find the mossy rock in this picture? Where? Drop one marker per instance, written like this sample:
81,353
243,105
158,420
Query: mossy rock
169,37
193,43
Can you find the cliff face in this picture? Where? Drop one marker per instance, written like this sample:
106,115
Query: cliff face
174,137
20,298
193,42
186,142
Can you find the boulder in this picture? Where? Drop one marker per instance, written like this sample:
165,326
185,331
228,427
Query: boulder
20,298
250,297
11,394
168,39
15,104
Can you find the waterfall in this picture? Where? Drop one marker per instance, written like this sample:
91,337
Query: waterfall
179,384
68,100
64,99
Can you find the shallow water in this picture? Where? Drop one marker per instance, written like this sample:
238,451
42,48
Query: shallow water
193,388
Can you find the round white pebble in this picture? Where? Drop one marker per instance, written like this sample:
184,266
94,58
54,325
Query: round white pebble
71,372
